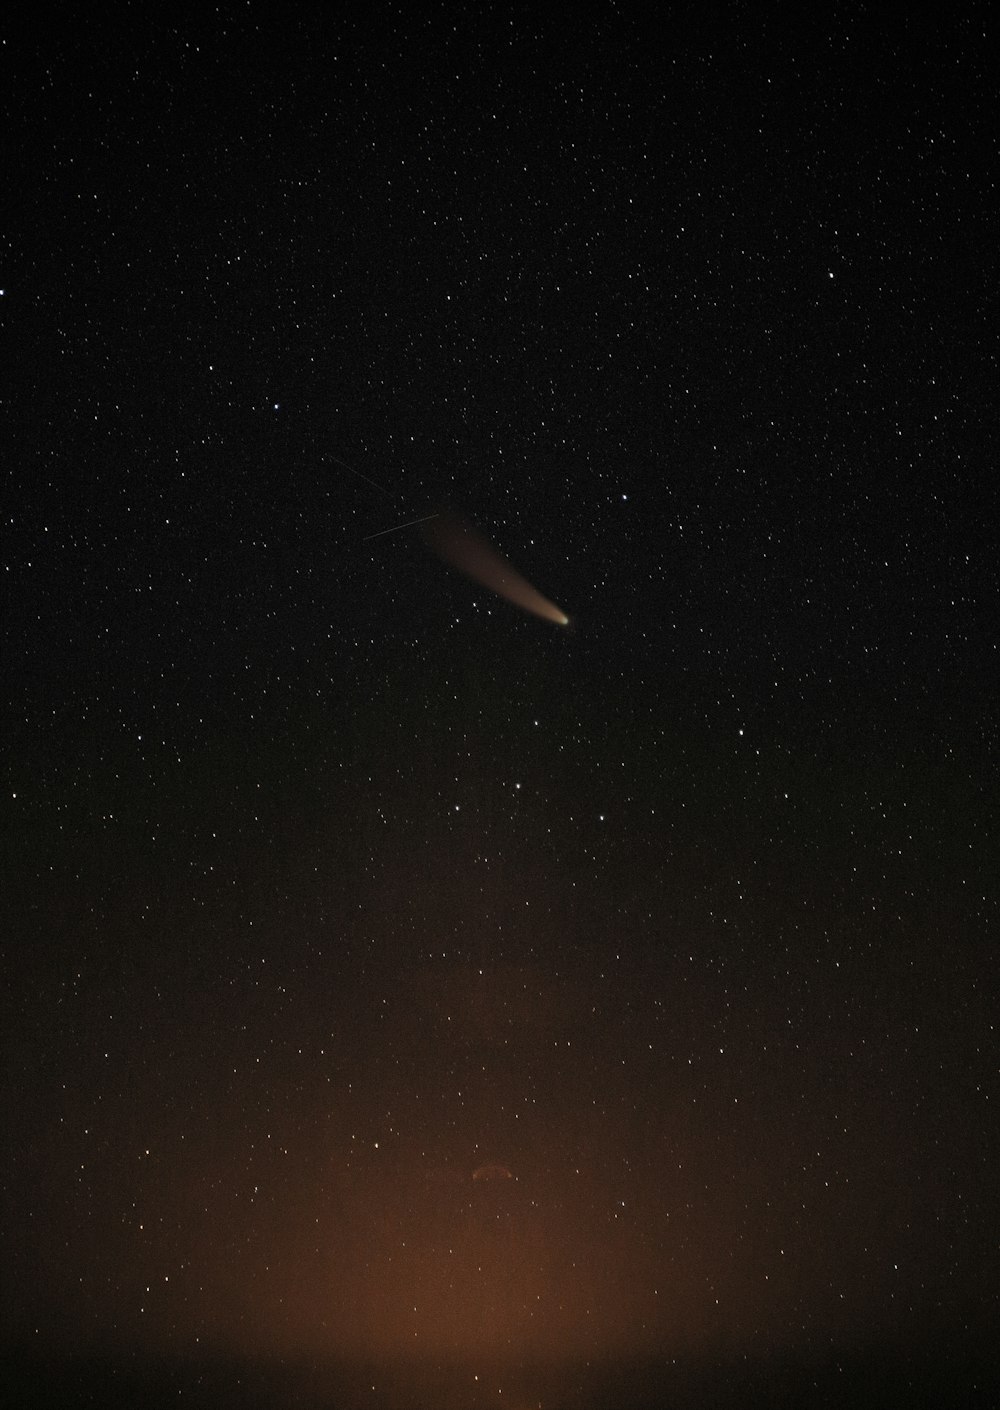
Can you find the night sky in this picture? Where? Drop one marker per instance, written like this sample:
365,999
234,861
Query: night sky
399,981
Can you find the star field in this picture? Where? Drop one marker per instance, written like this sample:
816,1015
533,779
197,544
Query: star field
408,998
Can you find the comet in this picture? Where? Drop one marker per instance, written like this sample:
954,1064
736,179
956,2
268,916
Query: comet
458,543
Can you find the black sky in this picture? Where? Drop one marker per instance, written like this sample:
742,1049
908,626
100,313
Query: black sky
328,877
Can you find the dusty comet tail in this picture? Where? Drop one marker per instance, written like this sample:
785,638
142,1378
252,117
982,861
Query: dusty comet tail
459,544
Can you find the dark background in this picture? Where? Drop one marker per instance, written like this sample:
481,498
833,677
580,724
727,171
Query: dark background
328,878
